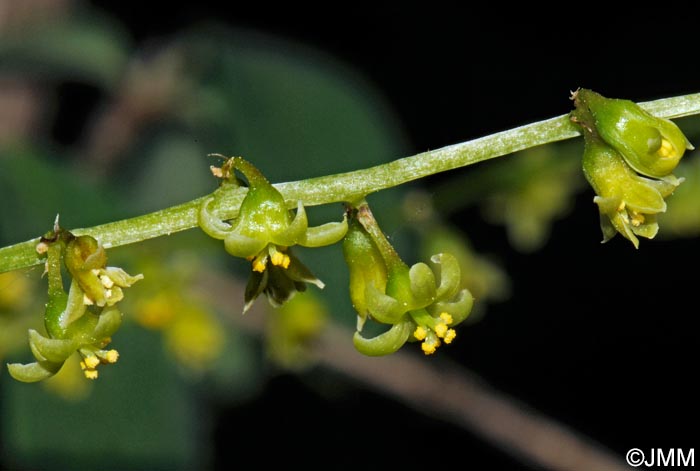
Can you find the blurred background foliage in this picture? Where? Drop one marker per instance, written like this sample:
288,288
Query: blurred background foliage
96,126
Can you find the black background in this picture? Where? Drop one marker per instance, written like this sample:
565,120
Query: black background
600,337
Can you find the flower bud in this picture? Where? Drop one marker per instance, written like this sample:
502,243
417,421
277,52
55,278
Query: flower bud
652,146
366,267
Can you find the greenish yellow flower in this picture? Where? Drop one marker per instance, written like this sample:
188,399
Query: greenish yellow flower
79,320
652,146
195,337
628,159
529,193
628,203
420,303
173,304
263,232
292,329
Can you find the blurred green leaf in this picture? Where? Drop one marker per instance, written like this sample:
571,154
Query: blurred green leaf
138,416
87,48
33,189
295,113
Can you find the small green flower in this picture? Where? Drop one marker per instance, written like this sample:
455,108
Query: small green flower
263,232
79,320
652,146
623,146
420,303
628,203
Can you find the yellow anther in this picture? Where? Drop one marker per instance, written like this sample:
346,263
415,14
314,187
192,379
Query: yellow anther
91,374
106,281
450,336
83,366
429,348
421,333
260,263
441,330
430,344
622,206
112,356
666,150
95,271
637,219
91,362
42,248
280,259
447,318
87,301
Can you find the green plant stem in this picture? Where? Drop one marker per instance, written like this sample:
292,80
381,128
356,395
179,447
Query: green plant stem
350,186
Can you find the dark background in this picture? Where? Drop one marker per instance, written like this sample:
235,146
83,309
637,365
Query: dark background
600,337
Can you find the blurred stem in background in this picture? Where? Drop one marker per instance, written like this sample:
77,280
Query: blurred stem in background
137,144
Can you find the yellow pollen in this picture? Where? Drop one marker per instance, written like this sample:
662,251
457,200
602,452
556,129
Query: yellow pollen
259,264
91,374
112,356
441,330
450,336
637,219
447,318
42,248
428,348
666,149
87,301
95,271
420,333
622,206
91,362
280,259
83,366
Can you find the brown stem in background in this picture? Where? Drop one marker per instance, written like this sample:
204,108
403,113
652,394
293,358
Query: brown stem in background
445,390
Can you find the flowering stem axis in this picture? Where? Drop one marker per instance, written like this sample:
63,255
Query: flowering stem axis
350,186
